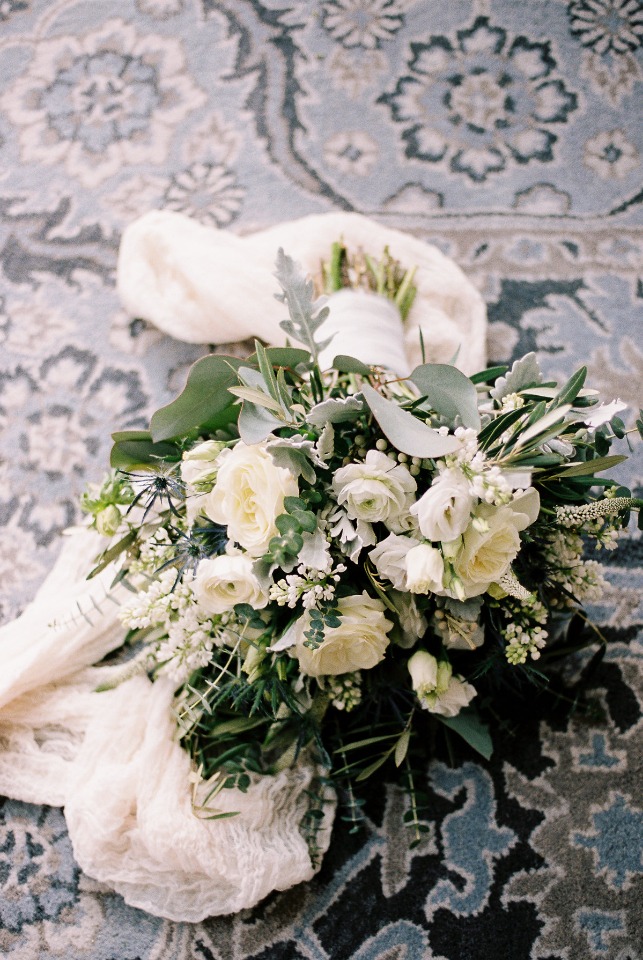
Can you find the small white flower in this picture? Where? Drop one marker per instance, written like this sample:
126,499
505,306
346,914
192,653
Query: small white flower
424,569
389,558
435,686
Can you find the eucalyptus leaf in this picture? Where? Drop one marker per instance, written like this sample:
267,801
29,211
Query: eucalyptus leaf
468,725
449,392
406,432
290,357
346,364
135,450
204,403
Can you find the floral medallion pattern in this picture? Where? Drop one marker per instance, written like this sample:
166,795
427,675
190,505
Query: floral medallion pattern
504,133
97,102
480,101
362,23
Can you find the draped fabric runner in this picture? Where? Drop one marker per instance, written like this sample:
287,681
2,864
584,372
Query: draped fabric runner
110,758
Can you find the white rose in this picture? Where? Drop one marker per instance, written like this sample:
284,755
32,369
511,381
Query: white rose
389,558
358,643
487,553
444,511
424,569
198,464
248,496
435,686
379,489
221,582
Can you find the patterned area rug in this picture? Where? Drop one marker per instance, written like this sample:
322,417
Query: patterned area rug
506,134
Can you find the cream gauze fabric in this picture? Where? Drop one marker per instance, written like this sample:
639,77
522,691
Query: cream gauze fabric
209,286
111,758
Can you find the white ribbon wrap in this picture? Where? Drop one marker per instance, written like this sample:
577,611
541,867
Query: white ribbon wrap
111,758
365,326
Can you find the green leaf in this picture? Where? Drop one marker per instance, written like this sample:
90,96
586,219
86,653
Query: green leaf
287,524
597,465
306,520
486,376
257,397
346,364
618,427
135,450
542,426
267,372
358,744
373,767
236,725
402,747
497,427
449,392
204,403
283,356
406,432
569,392
468,725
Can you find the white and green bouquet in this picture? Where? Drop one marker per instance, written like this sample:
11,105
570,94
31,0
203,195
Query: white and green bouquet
331,561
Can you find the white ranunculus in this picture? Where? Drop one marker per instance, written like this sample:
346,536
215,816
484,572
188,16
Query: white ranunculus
221,582
199,463
487,553
358,643
389,558
435,686
378,490
444,511
248,496
424,569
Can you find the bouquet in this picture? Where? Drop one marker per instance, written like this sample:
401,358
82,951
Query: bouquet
333,561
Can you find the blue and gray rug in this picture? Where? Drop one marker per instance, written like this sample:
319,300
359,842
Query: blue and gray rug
507,134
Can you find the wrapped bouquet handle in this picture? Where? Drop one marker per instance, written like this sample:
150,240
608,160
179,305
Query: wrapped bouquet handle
185,279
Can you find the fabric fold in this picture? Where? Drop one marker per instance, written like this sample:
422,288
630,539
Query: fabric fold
204,285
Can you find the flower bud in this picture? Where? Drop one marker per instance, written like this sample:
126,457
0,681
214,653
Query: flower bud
108,521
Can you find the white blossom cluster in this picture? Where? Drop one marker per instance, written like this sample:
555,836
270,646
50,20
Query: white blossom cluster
583,579
307,587
486,482
345,690
188,633
525,635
